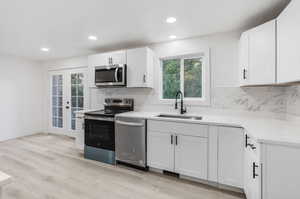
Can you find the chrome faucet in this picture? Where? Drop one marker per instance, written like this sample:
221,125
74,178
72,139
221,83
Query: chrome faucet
182,110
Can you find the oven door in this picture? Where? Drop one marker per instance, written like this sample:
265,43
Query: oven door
100,134
114,75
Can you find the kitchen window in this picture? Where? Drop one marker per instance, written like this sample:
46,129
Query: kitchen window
189,74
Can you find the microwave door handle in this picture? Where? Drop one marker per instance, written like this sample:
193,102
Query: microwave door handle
116,74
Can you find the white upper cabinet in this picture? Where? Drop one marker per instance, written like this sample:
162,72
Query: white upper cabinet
288,31
140,65
117,57
258,55
243,58
139,61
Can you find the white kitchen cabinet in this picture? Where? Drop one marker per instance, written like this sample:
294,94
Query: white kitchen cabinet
140,65
258,55
160,150
178,147
281,174
252,169
191,156
231,156
103,59
288,31
244,59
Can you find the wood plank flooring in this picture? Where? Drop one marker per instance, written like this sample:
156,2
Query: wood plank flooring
46,166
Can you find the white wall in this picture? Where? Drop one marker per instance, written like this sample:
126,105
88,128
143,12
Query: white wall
73,62
21,101
223,50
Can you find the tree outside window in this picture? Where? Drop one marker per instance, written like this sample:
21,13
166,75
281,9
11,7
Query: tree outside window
185,74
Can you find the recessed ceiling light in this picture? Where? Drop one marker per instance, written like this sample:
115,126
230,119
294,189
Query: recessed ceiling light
45,49
171,20
93,38
172,37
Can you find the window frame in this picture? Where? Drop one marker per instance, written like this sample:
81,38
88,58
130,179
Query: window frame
205,57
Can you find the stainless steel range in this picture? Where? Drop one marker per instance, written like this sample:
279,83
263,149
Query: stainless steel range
100,130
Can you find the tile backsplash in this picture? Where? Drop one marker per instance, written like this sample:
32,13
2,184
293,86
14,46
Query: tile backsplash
293,100
257,99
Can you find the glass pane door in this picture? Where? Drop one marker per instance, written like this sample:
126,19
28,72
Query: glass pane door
57,101
67,95
77,96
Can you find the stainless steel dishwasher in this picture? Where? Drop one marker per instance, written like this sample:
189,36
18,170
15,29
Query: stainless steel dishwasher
130,136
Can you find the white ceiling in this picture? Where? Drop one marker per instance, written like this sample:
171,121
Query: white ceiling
64,25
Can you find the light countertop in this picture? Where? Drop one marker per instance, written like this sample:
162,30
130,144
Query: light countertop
4,179
264,130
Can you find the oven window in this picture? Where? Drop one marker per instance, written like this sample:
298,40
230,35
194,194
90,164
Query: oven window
100,134
105,75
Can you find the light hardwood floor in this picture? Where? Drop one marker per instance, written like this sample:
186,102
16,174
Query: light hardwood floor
46,166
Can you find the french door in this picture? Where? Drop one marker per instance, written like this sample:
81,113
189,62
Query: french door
68,93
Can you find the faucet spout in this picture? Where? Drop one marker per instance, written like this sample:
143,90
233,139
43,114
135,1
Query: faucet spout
182,109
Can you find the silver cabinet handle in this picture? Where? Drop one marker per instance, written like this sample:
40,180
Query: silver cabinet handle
130,124
144,78
116,74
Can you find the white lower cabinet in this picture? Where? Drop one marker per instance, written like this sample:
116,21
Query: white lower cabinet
280,171
160,150
231,156
191,156
209,153
175,147
271,170
252,176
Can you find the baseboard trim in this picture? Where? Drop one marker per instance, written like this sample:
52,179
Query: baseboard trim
216,185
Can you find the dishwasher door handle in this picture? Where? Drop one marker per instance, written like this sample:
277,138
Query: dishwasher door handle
130,124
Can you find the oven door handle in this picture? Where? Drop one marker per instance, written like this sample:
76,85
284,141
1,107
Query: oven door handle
130,124
116,74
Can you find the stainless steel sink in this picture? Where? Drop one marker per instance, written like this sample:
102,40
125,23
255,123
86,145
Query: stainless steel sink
186,117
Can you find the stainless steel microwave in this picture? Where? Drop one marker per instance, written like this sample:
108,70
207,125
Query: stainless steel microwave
112,75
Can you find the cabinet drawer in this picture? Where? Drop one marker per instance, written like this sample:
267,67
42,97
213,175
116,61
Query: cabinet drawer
178,128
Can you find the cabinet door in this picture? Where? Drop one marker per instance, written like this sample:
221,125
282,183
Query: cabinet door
118,57
140,63
262,54
252,183
191,156
288,31
231,156
160,150
281,172
243,58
